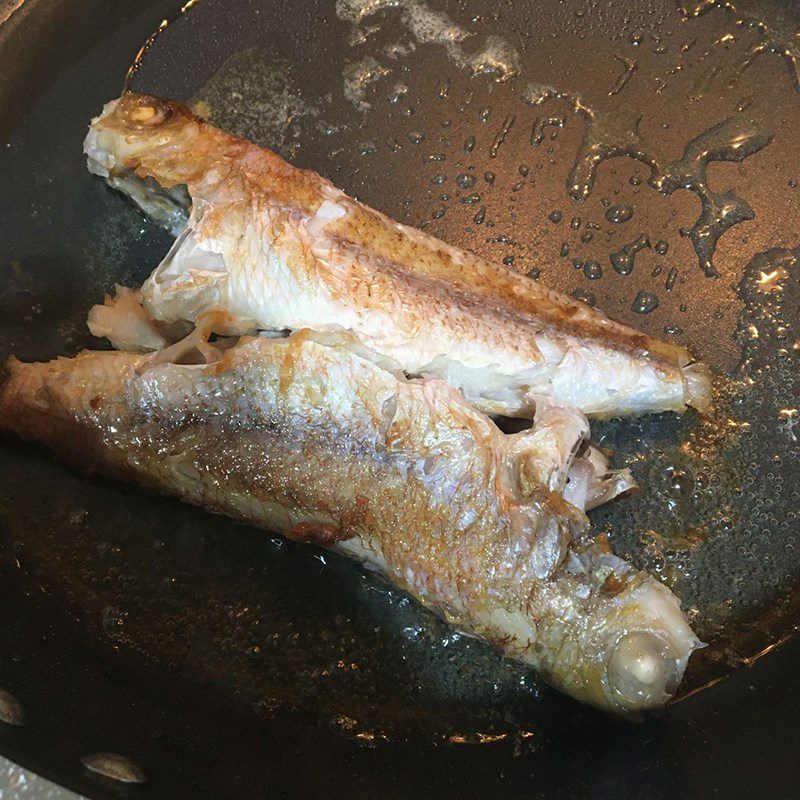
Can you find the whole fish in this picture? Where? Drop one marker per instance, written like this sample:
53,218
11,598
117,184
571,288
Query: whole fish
280,248
321,439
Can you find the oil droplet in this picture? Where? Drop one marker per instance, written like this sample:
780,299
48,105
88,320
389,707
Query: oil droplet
534,273
439,212
622,260
555,217
465,180
438,180
592,270
415,137
644,303
671,276
575,223
480,216
673,330
489,177
398,93
508,260
778,43
584,296
661,248
500,137
617,134
619,213
734,139
471,199
564,249
539,125
587,237
367,148
605,136
469,144
629,66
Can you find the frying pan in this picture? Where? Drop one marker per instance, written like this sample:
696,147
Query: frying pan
221,661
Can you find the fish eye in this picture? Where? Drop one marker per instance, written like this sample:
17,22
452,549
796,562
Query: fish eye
147,112
641,671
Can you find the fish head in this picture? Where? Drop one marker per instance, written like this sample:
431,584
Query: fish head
649,645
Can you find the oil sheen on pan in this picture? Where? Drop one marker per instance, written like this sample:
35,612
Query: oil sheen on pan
712,493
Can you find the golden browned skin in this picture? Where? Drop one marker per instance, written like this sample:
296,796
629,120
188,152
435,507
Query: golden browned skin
281,248
319,439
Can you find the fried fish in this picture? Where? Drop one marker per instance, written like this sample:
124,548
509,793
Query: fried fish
327,442
280,248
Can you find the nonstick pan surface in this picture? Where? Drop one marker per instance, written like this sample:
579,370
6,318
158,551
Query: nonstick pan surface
225,662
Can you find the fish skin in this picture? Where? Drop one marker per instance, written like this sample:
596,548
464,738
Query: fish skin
317,438
559,452
281,248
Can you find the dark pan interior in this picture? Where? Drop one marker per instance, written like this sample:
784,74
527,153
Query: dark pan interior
230,663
